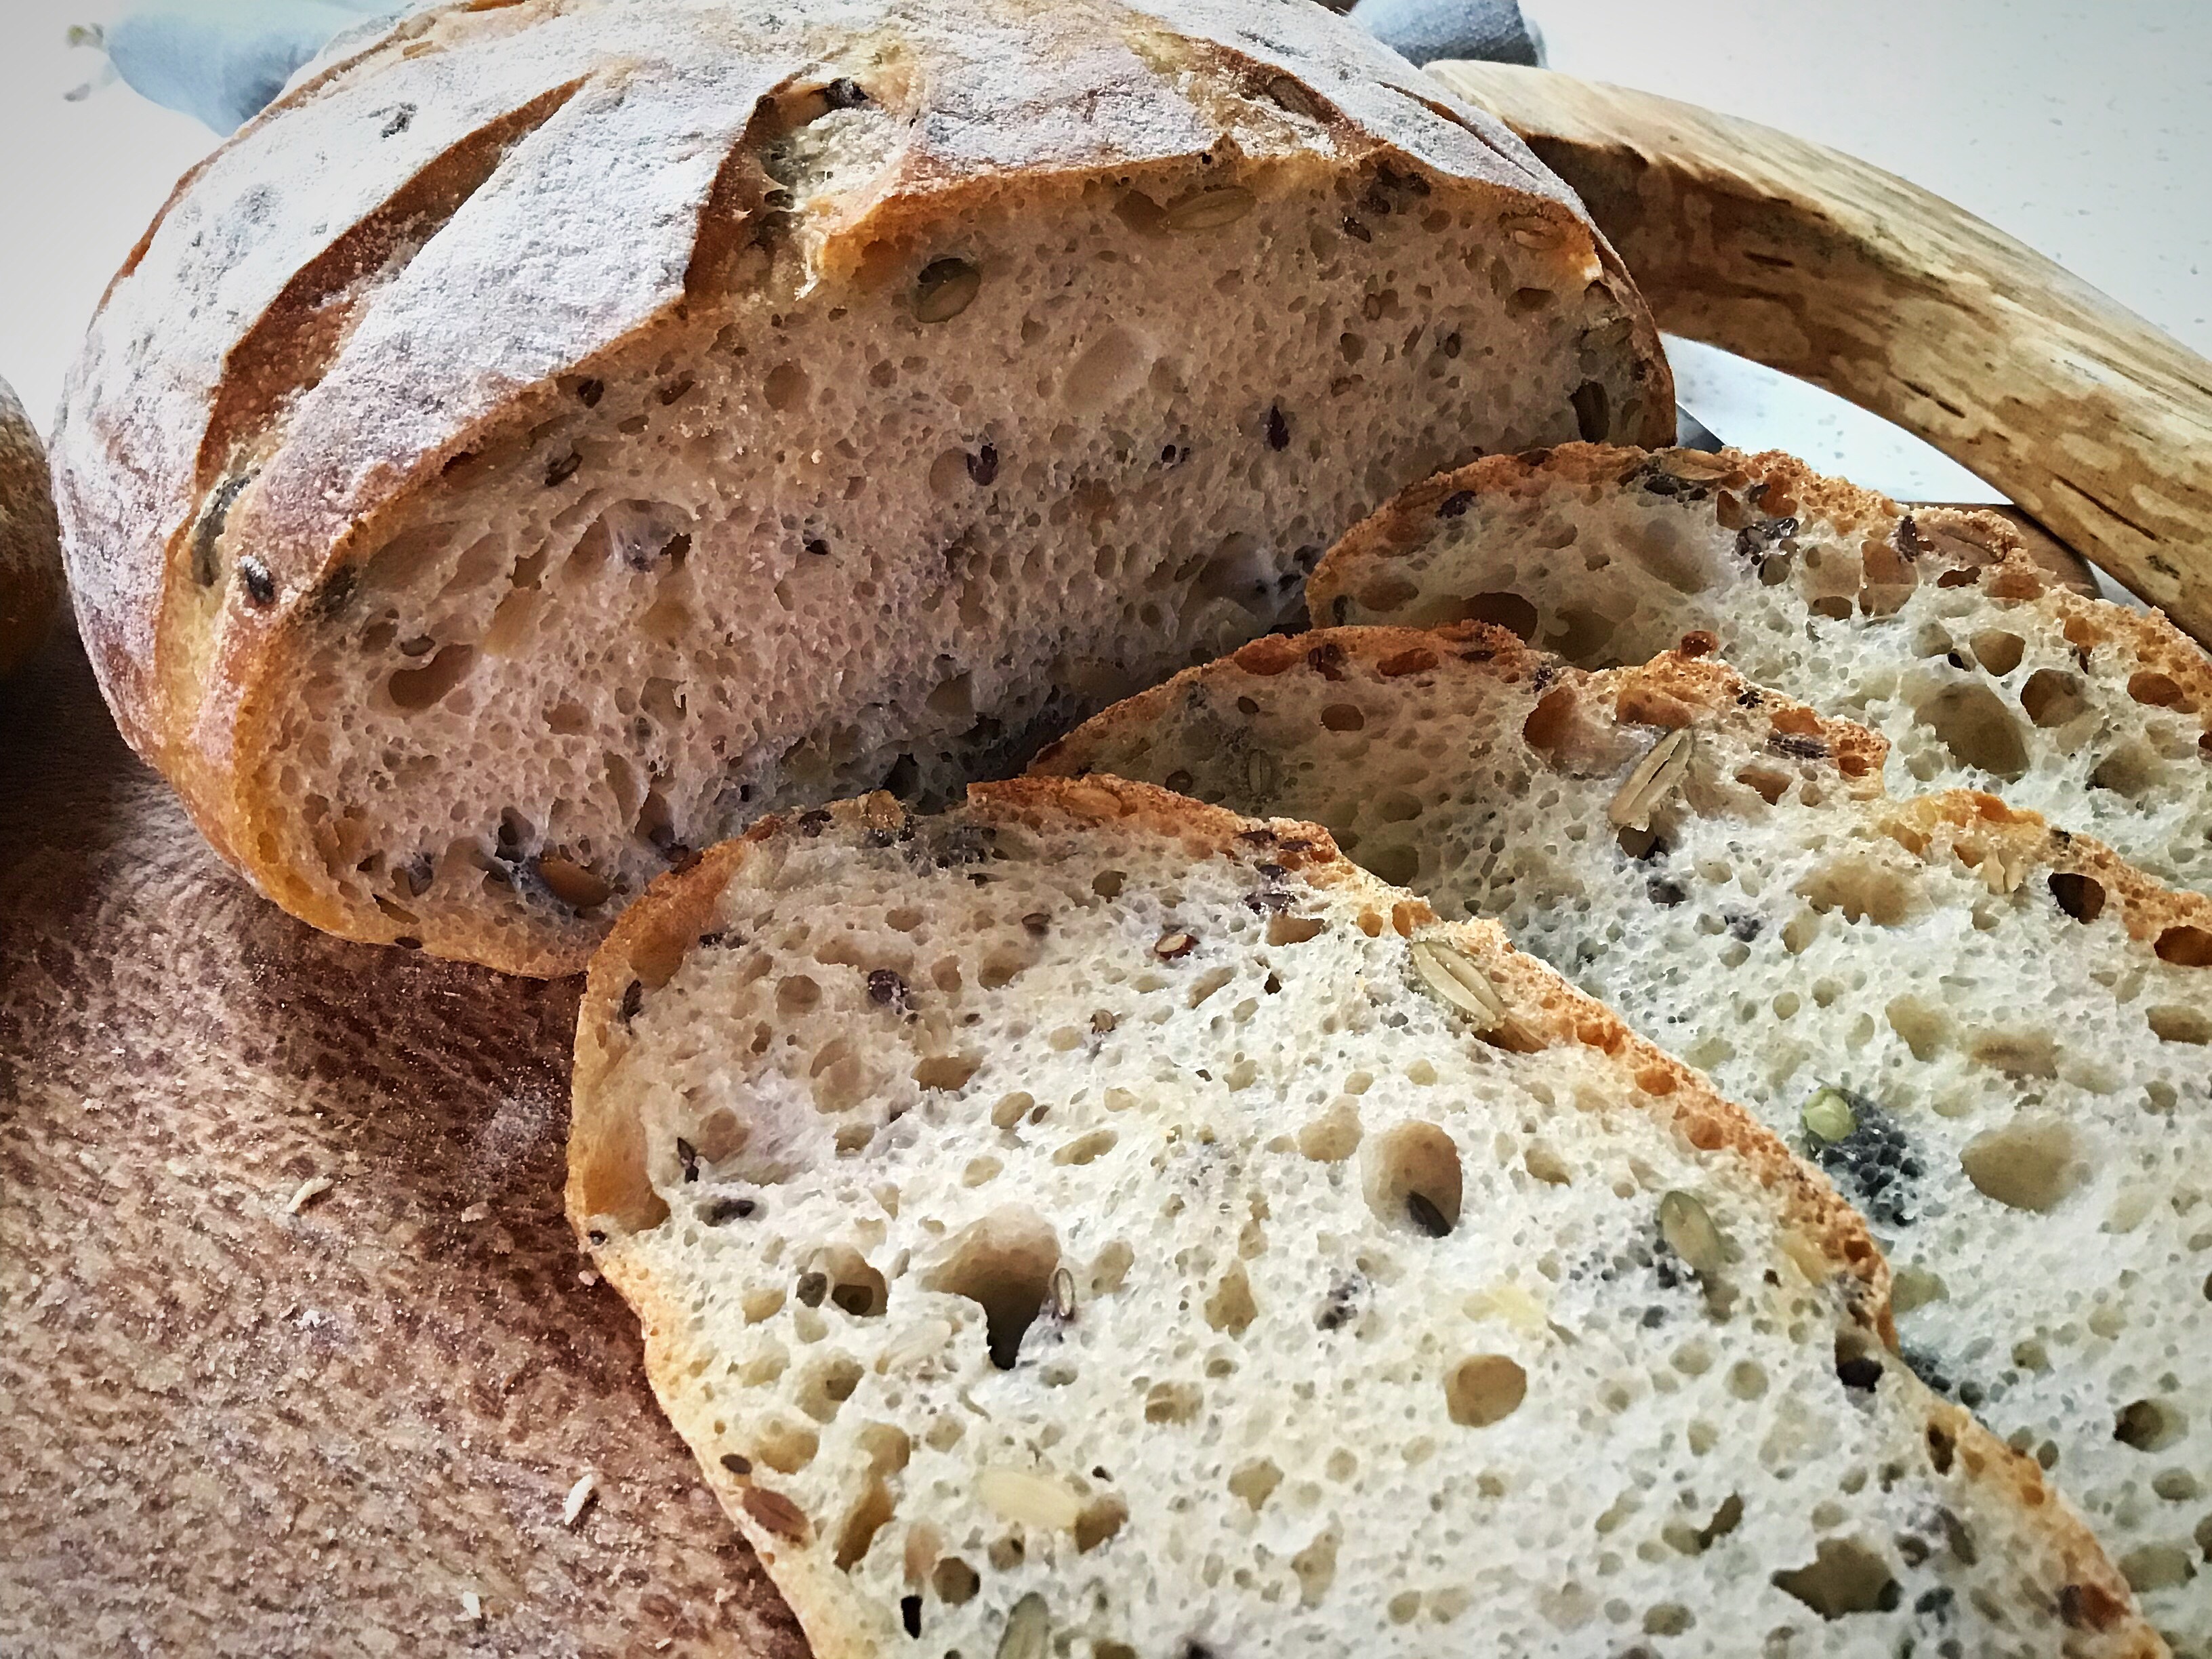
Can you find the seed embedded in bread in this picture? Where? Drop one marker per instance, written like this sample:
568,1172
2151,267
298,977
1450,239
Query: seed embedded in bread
1558,1300
709,444
1936,627
1988,1033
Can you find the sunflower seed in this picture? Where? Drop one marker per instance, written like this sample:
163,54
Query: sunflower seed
1690,1233
1662,767
1168,947
1261,772
1063,1294
1209,209
1452,977
944,289
1029,1629
776,1512
1033,1499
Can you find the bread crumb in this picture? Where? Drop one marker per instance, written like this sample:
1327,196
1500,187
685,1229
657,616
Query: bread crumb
587,1277
476,1212
580,1495
307,1192
472,1607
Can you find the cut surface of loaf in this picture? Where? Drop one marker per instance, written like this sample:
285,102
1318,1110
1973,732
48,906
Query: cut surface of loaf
1993,1034
643,416
1090,1223
30,541
1935,626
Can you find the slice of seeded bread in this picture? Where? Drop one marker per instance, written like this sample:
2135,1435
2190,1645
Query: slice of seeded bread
1088,1222
2013,1023
30,540
558,434
1937,627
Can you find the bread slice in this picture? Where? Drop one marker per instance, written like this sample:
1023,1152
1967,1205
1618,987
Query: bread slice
30,545
1090,1223
1935,626
557,435
1993,1033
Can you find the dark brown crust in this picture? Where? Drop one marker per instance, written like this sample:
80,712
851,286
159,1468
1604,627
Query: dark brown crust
1982,544
197,682
652,936
30,539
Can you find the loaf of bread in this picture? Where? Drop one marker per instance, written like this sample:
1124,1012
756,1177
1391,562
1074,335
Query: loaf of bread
30,546
1933,626
1993,1034
1090,1222
562,431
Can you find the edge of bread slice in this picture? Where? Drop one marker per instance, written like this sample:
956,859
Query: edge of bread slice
1087,1222
1990,1030
1933,625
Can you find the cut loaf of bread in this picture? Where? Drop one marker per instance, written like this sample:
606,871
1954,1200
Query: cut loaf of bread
30,542
1933,626
566,430
1087,1223
1993,1033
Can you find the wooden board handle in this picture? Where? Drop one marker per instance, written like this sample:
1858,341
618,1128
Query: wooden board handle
1816,263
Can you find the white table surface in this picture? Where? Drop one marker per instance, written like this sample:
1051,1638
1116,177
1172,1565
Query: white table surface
2085,130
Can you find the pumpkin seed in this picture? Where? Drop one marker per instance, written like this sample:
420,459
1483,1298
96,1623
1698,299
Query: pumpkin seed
1827,1117
1655,777
1690,1233
1451,977
944,289
1029,1629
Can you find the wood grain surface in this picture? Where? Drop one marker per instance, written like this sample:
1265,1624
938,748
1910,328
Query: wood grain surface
226,1428
1823,266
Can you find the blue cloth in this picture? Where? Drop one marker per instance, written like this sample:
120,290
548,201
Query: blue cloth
1422,31
220,61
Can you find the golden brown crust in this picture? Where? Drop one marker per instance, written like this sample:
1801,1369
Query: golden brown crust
1977,828
1673,690
1969,546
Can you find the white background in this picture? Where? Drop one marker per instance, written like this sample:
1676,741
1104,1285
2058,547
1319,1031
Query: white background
2085,130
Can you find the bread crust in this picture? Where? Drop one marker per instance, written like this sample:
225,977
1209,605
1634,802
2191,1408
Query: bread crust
1981,547
324,382
607,1175
30,539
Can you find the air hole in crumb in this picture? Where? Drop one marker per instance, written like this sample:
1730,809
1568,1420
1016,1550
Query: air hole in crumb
2024,1165
1485,1389
1998,652
2185,947
417,689
1844,1577
1003,1263
2149,1425
2079,896
1978,730
2052,697
1414,1180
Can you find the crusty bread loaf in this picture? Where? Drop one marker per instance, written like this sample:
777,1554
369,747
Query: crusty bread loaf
2017,1021
1088,1222
1935,626
30,545
565,430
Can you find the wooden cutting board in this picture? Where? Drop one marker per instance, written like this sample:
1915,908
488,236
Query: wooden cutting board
229,1427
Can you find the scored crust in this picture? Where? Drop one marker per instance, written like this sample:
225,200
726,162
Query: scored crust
611,1196
338,363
